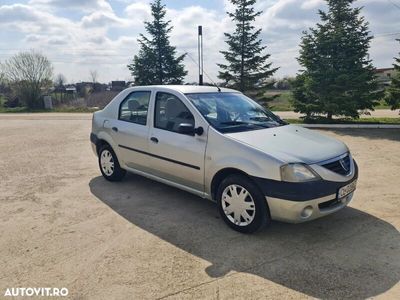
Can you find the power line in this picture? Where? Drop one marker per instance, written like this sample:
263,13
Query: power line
205,73
92,52
386,34
394,4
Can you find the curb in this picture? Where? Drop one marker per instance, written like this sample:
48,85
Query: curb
350,126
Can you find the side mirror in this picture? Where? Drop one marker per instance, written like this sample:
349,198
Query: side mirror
186,128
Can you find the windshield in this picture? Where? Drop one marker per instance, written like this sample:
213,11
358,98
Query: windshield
233,112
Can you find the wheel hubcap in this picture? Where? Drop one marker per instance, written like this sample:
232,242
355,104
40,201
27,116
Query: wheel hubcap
107,162
238,205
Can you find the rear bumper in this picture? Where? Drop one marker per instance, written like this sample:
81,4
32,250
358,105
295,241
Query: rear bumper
93,142
298,212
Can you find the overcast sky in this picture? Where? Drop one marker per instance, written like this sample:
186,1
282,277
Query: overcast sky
83,35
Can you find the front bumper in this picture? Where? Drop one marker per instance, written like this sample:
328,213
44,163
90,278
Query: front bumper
298,212
300,202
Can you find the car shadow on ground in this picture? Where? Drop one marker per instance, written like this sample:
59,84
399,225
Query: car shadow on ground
350,254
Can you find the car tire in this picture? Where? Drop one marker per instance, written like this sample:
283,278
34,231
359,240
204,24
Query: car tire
242,205
109,164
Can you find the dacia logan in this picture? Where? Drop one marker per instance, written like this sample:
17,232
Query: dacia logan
221,145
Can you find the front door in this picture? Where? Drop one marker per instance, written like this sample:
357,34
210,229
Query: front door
174,156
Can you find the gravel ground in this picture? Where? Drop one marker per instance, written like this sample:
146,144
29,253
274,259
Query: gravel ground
62,225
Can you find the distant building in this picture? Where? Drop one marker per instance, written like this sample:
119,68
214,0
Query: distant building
70,89
101,99
385,76
83,88
118,86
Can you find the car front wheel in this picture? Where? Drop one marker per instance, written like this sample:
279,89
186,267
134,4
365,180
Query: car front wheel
109,165
241,204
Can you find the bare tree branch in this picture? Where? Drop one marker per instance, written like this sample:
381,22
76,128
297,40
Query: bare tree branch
93,76
30,74
60,80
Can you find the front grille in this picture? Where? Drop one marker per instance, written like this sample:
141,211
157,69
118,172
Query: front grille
340,166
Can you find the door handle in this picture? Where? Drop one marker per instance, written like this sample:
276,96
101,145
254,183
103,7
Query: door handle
154,139
115,129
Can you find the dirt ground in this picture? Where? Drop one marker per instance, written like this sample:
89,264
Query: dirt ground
62,225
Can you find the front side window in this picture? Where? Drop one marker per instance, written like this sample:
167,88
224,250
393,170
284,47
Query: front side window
134,108
170,112
233,112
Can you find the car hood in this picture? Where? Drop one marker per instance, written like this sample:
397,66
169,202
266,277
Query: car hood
292,143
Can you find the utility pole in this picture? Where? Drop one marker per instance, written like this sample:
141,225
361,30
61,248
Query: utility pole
200,53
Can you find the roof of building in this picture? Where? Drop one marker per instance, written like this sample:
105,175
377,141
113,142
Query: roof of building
384,70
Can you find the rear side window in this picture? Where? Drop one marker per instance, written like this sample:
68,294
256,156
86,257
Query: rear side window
134,108
170,112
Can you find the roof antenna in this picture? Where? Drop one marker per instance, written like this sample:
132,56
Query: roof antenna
200,64
200,53
205,73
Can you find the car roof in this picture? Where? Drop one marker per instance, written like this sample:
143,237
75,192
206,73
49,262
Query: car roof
187,89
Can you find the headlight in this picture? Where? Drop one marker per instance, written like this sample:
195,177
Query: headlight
297,173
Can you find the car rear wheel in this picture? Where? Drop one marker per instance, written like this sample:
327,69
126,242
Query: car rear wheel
241,204
109,165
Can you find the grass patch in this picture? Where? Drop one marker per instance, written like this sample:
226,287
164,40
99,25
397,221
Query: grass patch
67,109
386,121
382,105
280,103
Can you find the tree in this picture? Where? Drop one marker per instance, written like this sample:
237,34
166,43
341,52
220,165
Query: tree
93,76
247,68
2,75
29,74
338,77
393,91
60,80
59,83
2,81
156,62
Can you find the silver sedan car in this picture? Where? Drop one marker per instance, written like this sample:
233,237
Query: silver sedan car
223,146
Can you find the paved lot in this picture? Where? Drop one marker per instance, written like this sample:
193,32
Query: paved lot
62,225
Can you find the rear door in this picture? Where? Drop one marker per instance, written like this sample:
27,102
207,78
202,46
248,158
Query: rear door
174,156
131,130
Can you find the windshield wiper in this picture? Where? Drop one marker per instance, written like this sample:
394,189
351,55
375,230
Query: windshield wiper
238,123
234,123
261,119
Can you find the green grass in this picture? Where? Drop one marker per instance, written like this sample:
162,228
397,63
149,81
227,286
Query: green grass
382,105
387,121
282,102
54,110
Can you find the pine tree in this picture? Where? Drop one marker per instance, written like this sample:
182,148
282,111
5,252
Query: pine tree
338,77
247,69
157,61
393,91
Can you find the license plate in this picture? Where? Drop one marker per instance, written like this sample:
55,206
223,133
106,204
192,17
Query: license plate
347,189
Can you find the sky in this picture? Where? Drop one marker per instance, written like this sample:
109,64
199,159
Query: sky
80,36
